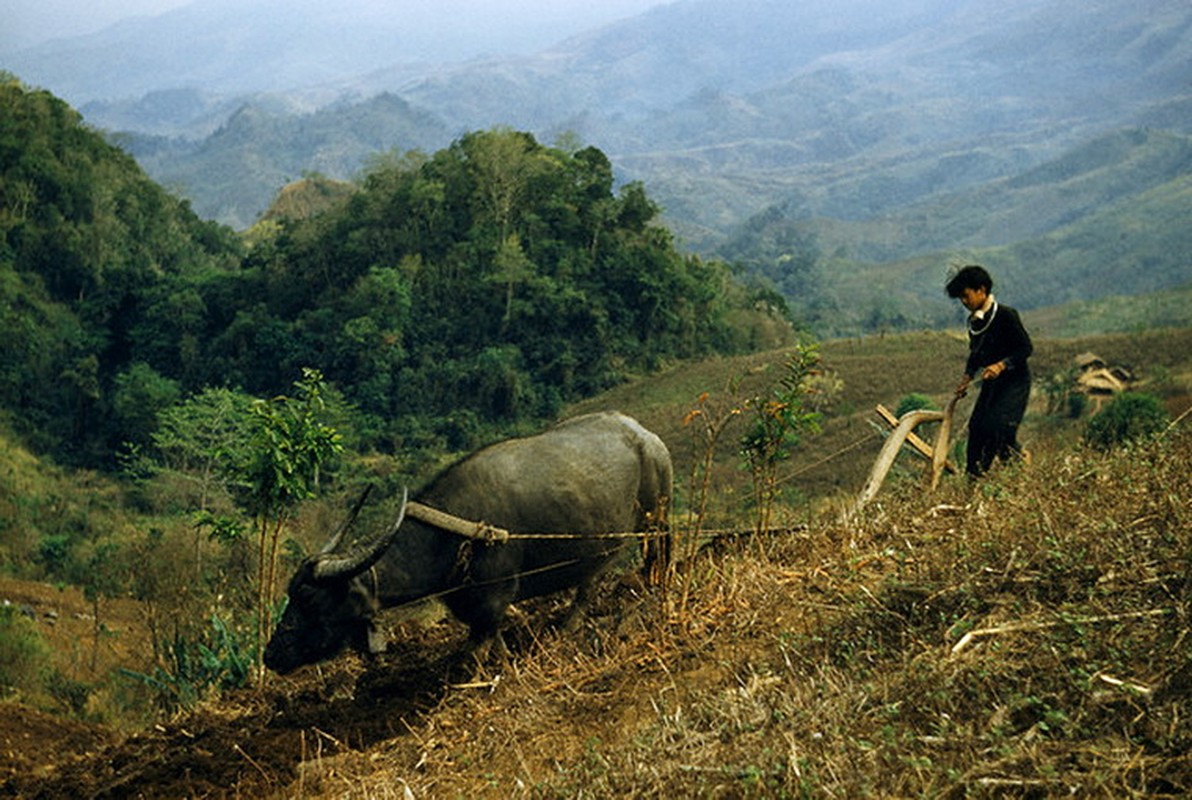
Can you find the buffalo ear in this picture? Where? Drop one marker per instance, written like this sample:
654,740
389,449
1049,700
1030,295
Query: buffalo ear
344,566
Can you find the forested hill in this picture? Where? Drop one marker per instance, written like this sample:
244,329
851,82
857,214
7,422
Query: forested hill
97,262
480,286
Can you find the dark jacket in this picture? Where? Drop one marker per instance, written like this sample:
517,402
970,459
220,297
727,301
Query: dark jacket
1000,337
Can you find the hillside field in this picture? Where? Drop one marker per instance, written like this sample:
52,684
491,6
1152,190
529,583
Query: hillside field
1023,637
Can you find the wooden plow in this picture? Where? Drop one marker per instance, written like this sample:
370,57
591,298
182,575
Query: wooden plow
903,433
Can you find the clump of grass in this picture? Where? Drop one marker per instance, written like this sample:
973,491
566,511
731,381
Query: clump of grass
24,655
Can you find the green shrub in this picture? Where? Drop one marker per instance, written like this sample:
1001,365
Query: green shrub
71,695
54,554
914,402
24,655
1077,404
1128,417
220,658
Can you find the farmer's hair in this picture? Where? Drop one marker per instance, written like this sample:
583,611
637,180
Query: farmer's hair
973,276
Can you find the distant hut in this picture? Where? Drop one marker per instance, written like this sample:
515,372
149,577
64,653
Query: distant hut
1100,381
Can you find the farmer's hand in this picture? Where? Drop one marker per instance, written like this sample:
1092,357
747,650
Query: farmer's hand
962,387
993,370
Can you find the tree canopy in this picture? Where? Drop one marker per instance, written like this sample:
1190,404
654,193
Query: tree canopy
443,296
94,258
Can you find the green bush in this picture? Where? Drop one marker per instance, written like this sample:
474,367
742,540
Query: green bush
1077,404
220,658
71,695
914,402
24,655
1128,417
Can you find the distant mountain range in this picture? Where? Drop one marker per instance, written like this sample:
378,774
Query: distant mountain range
246,46
852,116
1106,219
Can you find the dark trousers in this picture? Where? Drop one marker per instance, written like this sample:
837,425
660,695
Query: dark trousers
993,427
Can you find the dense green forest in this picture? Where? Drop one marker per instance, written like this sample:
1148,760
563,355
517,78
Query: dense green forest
102,275
446,297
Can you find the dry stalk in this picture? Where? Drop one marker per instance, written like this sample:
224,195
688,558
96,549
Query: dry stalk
1018,783
250,760
1025,627
1132,686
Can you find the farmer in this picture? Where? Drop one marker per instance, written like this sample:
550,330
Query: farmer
998,351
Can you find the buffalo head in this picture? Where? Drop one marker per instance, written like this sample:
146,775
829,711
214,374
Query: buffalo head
331,604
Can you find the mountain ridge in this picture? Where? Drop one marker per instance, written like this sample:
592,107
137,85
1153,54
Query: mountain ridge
858,114
847,118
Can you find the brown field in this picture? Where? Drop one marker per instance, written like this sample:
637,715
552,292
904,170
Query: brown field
1026,637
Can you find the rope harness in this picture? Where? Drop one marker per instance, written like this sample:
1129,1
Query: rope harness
484,532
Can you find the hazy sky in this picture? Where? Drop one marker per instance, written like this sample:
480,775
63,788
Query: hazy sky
27,22
30,21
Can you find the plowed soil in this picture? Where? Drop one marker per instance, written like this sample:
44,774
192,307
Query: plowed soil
253,743
246,746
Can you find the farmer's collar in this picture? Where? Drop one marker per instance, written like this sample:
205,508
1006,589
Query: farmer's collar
984,310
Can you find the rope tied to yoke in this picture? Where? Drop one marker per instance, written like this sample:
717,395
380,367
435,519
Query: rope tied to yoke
482,531
492,534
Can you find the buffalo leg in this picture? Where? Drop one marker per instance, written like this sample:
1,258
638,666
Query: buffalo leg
579,606
484,613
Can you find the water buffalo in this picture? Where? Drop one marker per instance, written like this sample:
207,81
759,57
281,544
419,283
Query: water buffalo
597,473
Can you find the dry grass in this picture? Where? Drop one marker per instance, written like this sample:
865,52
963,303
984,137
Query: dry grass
836,664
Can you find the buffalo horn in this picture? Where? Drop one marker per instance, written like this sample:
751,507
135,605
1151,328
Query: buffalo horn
361,557
338,536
